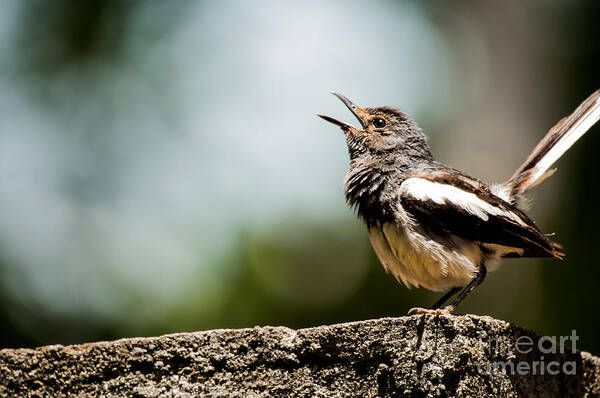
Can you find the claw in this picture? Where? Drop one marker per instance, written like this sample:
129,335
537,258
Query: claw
447,310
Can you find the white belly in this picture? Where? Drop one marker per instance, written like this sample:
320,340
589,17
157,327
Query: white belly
418,260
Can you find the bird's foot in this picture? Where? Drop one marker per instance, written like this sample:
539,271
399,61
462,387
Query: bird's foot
447,310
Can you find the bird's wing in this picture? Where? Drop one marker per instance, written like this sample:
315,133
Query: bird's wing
449,202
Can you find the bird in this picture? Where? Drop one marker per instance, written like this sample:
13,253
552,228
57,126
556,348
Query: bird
434,226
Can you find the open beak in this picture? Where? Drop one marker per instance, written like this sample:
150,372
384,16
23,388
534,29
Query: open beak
353,108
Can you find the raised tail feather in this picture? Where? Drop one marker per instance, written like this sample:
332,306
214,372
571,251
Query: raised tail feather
557,141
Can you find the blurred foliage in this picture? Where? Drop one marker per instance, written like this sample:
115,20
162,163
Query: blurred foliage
118,104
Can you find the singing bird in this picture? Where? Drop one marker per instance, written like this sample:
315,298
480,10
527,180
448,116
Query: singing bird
437,227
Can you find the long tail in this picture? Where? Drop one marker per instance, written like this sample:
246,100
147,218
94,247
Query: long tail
557,141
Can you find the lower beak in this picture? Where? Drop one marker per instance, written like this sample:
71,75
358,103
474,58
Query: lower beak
344,126
353,108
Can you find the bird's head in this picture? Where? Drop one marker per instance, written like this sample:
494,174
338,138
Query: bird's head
385,130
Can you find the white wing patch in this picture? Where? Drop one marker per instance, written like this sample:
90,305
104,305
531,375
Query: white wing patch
422,189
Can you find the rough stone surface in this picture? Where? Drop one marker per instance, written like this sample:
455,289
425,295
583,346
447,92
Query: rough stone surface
409,356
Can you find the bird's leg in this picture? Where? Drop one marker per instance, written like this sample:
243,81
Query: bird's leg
445,298
476,281
436,310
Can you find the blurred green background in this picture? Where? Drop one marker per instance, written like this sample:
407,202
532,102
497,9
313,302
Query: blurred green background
162,168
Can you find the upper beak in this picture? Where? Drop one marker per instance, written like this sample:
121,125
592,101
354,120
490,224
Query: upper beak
353,108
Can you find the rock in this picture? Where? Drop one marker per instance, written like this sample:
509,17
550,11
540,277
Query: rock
415,356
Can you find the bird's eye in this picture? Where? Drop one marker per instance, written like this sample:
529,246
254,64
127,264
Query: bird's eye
379,123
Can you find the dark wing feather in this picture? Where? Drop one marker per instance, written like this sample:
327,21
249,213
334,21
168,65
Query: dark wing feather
450,218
